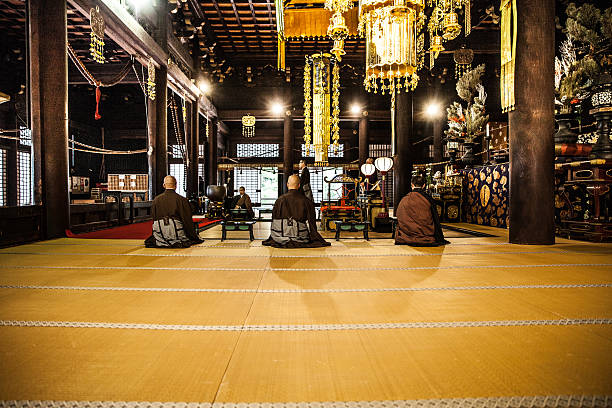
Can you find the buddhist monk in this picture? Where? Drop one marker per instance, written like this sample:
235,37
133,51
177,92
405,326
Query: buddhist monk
172,219
417,218
293,220
305,181
243,201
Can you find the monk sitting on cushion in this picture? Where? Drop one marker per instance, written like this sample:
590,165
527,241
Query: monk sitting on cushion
293,220
417,218
172,222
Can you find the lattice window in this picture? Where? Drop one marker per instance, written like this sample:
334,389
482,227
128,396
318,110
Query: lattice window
25,136
178,171
319,187
24,179
3,178
177,151
430,151
202,151
331,153
257,150
260,184
202,170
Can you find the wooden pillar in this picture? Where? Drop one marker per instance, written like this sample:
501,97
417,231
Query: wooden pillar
437,140
212,152
49,104
531,126
404,155
194,146
161,130
288,155
363,138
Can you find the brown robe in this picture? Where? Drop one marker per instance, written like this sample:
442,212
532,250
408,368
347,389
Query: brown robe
418,221
244,201
294,204
172,205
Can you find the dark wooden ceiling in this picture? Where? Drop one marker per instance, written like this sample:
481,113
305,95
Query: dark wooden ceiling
243,32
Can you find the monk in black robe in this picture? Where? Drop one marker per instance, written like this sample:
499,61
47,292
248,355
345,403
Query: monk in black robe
172,219
305,181
417,218
294,222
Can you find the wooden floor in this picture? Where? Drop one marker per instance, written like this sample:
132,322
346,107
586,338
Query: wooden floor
476,323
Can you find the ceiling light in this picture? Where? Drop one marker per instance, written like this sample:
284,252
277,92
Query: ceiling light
277,108
433,110
355,109
204,87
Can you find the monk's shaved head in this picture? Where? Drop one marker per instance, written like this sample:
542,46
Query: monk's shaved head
293,183
170,182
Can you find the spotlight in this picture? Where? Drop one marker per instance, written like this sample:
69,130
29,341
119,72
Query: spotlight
277,108
204,87
432,110
355,109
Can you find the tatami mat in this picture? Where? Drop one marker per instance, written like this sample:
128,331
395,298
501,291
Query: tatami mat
235,321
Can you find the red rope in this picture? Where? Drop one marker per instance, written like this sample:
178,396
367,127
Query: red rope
98,94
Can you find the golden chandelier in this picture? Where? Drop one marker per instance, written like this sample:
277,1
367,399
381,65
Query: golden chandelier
321,127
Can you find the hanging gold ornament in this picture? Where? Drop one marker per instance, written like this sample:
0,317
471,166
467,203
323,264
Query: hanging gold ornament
248,125
151,79
96,45
463,60
317,90
307,104
452,28
338,31
435,49
391,30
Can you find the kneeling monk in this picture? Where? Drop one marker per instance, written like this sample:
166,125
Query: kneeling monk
172,222
294,222
417,218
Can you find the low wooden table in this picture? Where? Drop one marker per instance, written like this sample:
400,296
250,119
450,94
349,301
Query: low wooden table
237,226
353,226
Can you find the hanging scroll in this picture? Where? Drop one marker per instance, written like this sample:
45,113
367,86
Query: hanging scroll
508,53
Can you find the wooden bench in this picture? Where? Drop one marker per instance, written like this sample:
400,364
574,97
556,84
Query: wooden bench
237,226
352,226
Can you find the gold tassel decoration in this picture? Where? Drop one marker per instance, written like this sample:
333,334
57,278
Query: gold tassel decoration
151,80
336,105
468,17
96,45
307,105
281,54
508,53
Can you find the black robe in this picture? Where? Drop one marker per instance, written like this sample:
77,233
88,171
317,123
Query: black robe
305,183
173,205
294,204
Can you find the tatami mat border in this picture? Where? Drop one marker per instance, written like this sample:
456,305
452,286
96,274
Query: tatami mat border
544,401
396,268
330,290
199,255
306,327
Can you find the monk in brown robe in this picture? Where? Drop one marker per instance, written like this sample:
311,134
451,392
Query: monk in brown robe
172,219
294,222
244,202
417,218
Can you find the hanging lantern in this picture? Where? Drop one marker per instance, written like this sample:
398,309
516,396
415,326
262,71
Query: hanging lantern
321,112
391,31
463,60
338,31
151,79
248,125
96,46
452,28
435,49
